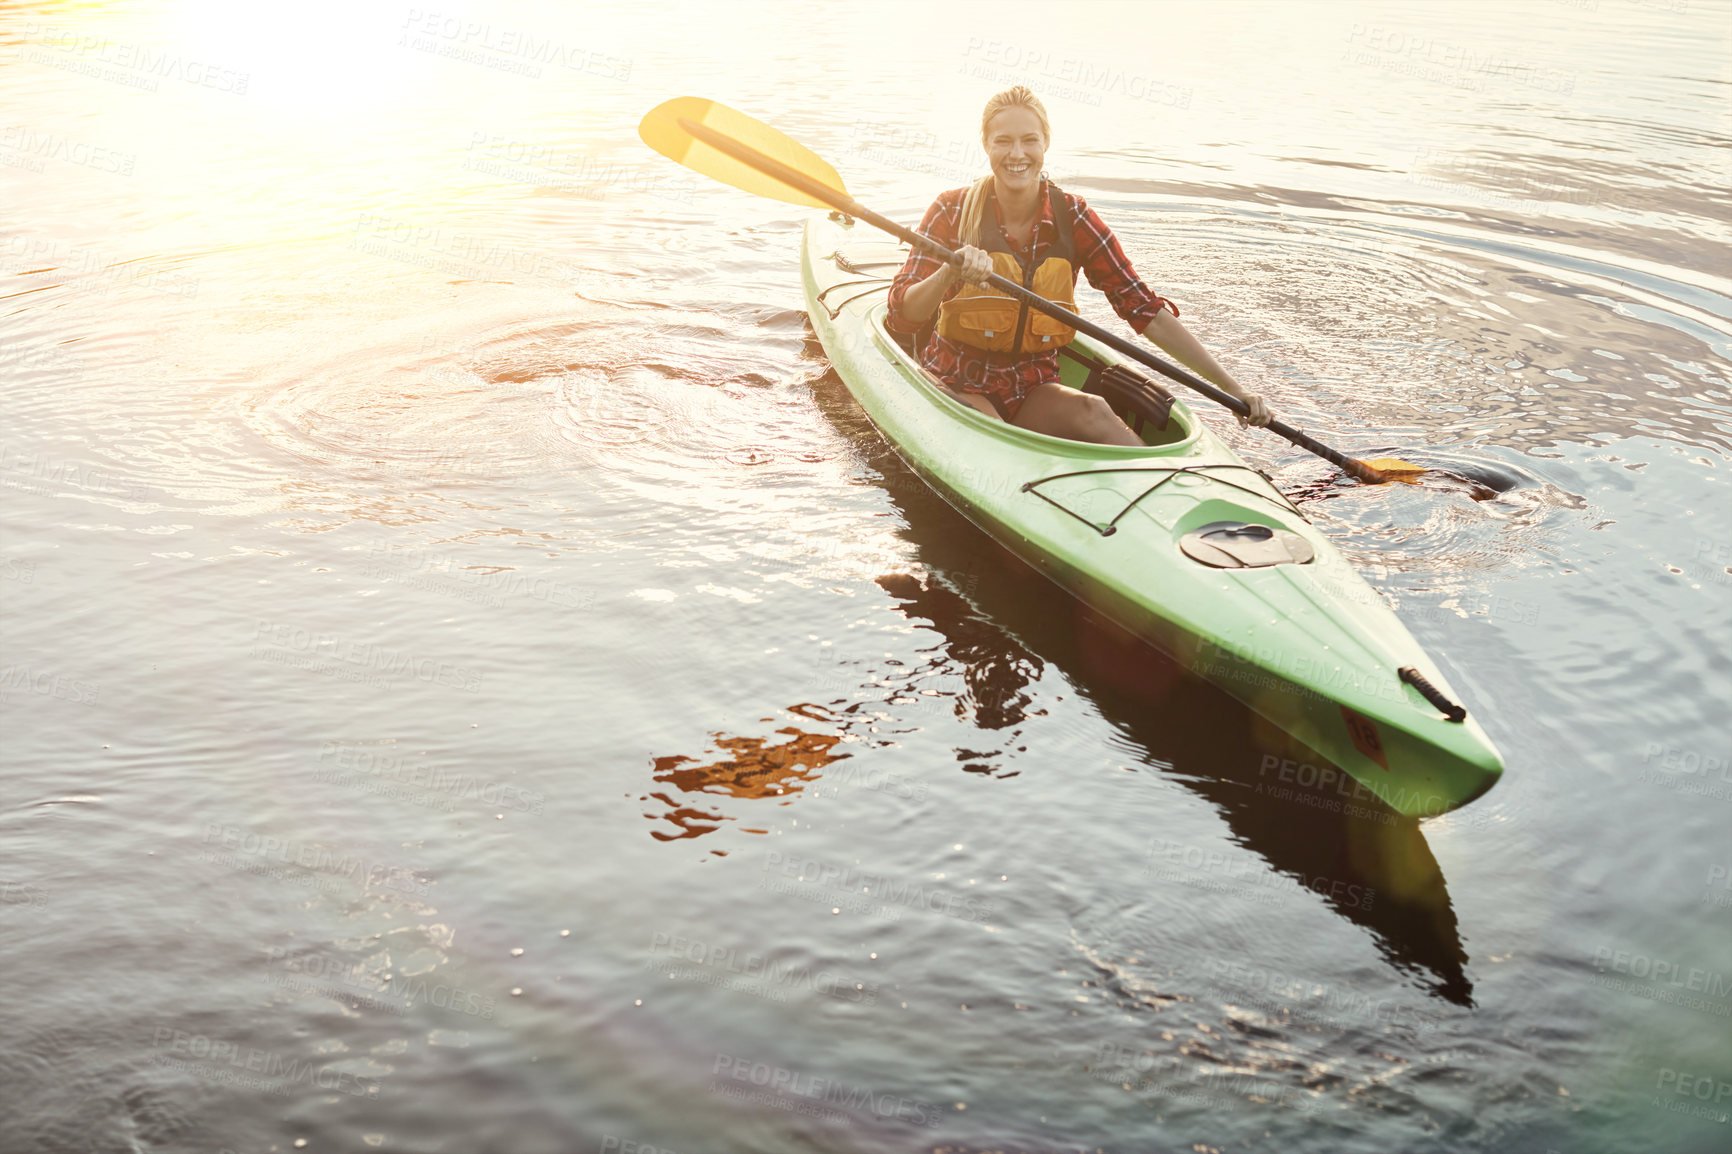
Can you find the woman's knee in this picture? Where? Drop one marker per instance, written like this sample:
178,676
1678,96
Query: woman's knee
1099,409
1093,413
1102,425
1063,412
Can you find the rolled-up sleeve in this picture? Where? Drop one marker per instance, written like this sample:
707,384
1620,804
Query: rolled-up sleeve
1109,270
938,223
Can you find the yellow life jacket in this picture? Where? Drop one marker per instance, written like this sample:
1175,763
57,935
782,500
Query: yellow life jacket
985,318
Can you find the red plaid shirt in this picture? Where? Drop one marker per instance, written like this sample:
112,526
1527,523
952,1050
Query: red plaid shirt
1011,378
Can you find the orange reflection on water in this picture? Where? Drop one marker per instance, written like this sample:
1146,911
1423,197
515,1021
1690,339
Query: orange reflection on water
750,767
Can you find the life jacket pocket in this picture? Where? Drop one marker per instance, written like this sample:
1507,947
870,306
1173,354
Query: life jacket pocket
985,319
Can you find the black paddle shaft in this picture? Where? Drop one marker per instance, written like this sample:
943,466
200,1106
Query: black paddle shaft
794,178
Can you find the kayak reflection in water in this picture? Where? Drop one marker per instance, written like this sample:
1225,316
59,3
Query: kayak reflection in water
997,354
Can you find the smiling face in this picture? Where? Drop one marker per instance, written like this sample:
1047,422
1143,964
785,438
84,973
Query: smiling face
1016,147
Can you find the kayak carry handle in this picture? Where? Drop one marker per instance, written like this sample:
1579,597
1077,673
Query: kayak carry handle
1429,691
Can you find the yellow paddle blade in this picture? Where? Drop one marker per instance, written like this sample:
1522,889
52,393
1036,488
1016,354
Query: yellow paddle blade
1395,469
661,130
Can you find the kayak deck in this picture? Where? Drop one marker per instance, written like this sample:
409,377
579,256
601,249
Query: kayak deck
1305,643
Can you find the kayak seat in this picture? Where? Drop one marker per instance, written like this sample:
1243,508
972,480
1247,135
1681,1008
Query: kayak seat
1238,545
1133,396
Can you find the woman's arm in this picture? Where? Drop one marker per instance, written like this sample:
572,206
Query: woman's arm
1109,270
921,300
922,270
1176,340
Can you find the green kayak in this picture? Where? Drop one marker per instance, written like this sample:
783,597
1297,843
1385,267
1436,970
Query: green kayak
1179,542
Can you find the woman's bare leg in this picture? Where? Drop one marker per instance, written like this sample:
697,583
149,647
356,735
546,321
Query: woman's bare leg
1061,411
976,401
972,400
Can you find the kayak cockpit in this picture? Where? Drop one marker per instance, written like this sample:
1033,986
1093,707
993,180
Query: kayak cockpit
1144,405
1161,421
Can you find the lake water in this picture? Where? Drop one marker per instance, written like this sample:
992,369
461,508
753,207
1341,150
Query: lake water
474,681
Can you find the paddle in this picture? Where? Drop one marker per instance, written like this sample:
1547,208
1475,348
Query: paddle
731,147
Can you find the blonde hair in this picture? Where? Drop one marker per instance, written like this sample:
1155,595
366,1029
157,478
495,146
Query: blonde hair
974,203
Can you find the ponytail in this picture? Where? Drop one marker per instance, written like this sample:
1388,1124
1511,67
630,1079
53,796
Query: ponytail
973,209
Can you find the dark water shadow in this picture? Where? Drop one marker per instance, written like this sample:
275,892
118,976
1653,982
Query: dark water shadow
1003,621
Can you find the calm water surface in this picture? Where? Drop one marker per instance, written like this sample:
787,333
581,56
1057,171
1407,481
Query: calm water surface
474,681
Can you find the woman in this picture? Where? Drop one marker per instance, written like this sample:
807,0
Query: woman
996,354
